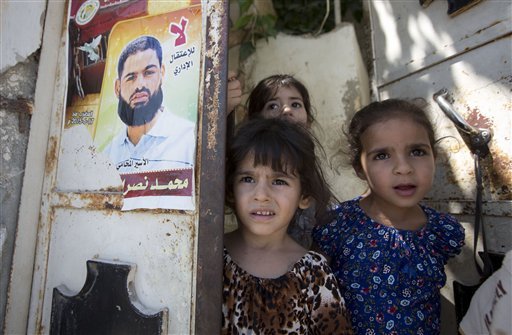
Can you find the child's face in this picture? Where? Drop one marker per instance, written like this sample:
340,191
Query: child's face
397,162
266,200
286,103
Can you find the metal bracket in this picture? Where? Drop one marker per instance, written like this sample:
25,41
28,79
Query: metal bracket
478,138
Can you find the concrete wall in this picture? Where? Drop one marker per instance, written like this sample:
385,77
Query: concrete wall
332,69
18,72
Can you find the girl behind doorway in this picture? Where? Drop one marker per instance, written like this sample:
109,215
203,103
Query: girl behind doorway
271,283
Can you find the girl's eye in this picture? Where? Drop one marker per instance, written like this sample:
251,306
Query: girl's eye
381,156
297,105
246,179
418,152
280,182
273,106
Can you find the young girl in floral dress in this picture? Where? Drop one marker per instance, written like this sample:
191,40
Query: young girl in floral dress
387,250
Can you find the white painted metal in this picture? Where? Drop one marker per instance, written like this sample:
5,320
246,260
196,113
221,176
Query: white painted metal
408,38
71,199
157,244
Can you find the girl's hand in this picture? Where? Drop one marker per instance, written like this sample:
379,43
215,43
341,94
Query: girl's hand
234,92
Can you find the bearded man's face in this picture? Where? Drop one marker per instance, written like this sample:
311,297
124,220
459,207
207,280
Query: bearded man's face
142,112
139,88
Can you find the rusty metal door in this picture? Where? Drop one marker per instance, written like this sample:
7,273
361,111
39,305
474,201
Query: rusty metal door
71,222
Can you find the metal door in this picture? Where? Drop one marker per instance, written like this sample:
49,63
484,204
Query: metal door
71,213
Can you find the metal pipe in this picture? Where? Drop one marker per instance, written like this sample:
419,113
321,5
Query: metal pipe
446,107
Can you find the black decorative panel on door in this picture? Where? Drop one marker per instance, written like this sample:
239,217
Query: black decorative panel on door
104,305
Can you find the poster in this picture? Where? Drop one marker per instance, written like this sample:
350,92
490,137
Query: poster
134,76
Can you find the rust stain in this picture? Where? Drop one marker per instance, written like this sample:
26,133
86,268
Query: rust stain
109,201
499,169
498,165
51,155
98,200
113,189
64,201
216,34
477,119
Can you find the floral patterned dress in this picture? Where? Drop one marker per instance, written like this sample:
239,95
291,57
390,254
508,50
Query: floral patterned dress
390,278
305,300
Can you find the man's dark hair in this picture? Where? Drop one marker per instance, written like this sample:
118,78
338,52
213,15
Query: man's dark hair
140,44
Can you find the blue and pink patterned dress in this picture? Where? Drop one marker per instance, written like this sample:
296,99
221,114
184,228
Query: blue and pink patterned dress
390,278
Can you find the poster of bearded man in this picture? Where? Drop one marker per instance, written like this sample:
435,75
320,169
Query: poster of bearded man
145,115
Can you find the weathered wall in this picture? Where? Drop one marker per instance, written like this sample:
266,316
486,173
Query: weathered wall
18,72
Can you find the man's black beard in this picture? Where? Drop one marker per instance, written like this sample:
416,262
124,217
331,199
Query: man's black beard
141,113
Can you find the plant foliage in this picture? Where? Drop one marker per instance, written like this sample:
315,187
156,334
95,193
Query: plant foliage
295,17
298,17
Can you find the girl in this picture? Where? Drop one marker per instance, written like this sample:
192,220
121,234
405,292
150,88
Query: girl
272,284
387,250
281,96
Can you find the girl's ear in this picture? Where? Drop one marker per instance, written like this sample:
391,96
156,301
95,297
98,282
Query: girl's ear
304,202
230,198
358,169
360,174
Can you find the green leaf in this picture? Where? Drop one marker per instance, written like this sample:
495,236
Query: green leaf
244,5
243,21
267,22
272,32
246,49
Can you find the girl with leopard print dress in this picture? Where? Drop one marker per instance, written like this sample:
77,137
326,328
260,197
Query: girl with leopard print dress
272,285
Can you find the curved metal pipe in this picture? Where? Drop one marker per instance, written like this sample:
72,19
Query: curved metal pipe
446,107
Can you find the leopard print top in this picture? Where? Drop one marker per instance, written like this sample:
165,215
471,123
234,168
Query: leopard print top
305,300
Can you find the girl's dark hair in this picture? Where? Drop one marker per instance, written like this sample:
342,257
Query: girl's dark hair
267,88
284,146
377,112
